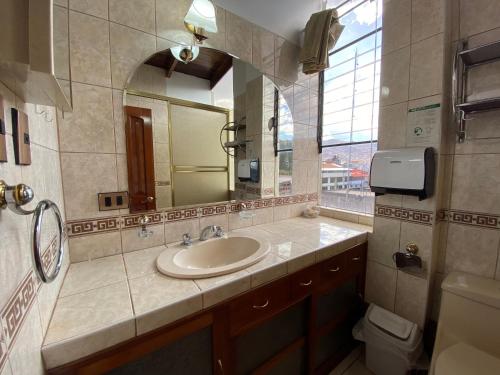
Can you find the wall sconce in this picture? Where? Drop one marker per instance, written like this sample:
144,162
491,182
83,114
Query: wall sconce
185,54
201,18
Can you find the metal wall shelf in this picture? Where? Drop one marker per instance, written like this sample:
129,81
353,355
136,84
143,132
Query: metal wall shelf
465,59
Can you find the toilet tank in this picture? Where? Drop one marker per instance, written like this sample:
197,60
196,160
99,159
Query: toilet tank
470,313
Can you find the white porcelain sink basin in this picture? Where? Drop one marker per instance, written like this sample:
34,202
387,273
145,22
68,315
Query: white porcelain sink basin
212,258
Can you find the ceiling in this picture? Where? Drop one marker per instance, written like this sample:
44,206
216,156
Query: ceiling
283,17
210,64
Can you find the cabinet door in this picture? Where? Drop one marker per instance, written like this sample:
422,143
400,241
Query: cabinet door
255,348
191,354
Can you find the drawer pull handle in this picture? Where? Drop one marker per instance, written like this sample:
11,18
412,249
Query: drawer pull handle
258,307
336,269
219,362
356,259
306,284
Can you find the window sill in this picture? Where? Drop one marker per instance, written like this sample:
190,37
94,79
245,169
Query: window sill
350,216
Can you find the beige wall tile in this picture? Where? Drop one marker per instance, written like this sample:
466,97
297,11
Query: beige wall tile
392,126
384,241
61,43
6,370
411,298
63,3
472,250
25,356
142,262
138,14
159,300
426,72
236,222
85,276
170,20
467,191
394,80
94,246
397,25
129,49
238,37
98,8
89,47
119,122
263,50
286,56
175,230
281,212
482,129
220,220
478,16
263,216
427,19
89,128
131,240
85,175
380,285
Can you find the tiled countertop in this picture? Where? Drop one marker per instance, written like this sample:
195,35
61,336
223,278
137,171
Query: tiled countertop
110,300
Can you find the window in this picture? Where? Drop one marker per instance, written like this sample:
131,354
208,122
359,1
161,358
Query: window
350,89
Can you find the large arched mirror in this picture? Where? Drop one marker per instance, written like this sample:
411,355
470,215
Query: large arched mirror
211,130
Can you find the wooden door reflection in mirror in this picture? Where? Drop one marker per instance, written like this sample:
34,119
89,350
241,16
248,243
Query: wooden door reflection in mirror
140,160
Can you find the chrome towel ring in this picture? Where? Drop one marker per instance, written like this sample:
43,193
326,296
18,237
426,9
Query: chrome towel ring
13,197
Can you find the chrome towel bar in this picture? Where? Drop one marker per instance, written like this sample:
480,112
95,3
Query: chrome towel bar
13,197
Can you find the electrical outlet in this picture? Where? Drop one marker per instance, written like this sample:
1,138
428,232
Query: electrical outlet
113,201
21,137
3,146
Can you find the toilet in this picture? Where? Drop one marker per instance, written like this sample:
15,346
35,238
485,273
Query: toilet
468,333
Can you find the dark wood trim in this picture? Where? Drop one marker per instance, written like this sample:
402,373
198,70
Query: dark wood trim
140,159
278,357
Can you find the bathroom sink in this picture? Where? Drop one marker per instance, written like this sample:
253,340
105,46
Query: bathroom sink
212,257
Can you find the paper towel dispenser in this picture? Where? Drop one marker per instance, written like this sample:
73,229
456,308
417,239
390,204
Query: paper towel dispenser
407,171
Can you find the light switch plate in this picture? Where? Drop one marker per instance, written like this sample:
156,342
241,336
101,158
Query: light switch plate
3,146
21,137
113,201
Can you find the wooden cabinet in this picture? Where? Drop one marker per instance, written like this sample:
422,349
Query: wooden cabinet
299,324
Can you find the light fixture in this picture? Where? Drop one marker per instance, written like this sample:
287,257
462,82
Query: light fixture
201,18
185,54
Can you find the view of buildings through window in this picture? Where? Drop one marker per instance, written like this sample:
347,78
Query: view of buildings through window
350,107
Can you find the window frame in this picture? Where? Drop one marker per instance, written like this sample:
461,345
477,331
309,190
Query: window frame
321,95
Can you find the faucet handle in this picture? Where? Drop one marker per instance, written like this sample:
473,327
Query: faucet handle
186,239
219,231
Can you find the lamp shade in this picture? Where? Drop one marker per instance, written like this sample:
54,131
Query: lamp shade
201,14
185,54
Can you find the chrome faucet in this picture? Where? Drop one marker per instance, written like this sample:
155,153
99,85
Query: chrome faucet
210,231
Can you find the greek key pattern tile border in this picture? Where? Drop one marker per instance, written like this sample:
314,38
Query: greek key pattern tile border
77,228
475,219
13,314
405,214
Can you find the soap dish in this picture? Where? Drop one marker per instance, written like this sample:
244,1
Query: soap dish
311,212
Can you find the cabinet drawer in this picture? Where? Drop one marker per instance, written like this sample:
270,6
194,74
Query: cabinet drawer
333,270
303,282
355,260
259,304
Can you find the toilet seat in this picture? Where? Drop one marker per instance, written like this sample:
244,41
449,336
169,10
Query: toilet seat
463,359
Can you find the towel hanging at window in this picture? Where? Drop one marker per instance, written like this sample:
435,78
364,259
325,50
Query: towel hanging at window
322,32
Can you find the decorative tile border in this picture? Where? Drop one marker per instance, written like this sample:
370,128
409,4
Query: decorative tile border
475,219
404,214
76,228
15,311
183,214
132,221
90,226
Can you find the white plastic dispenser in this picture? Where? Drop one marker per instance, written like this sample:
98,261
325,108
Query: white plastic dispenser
407,171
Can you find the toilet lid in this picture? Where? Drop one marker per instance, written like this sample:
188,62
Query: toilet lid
463,359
